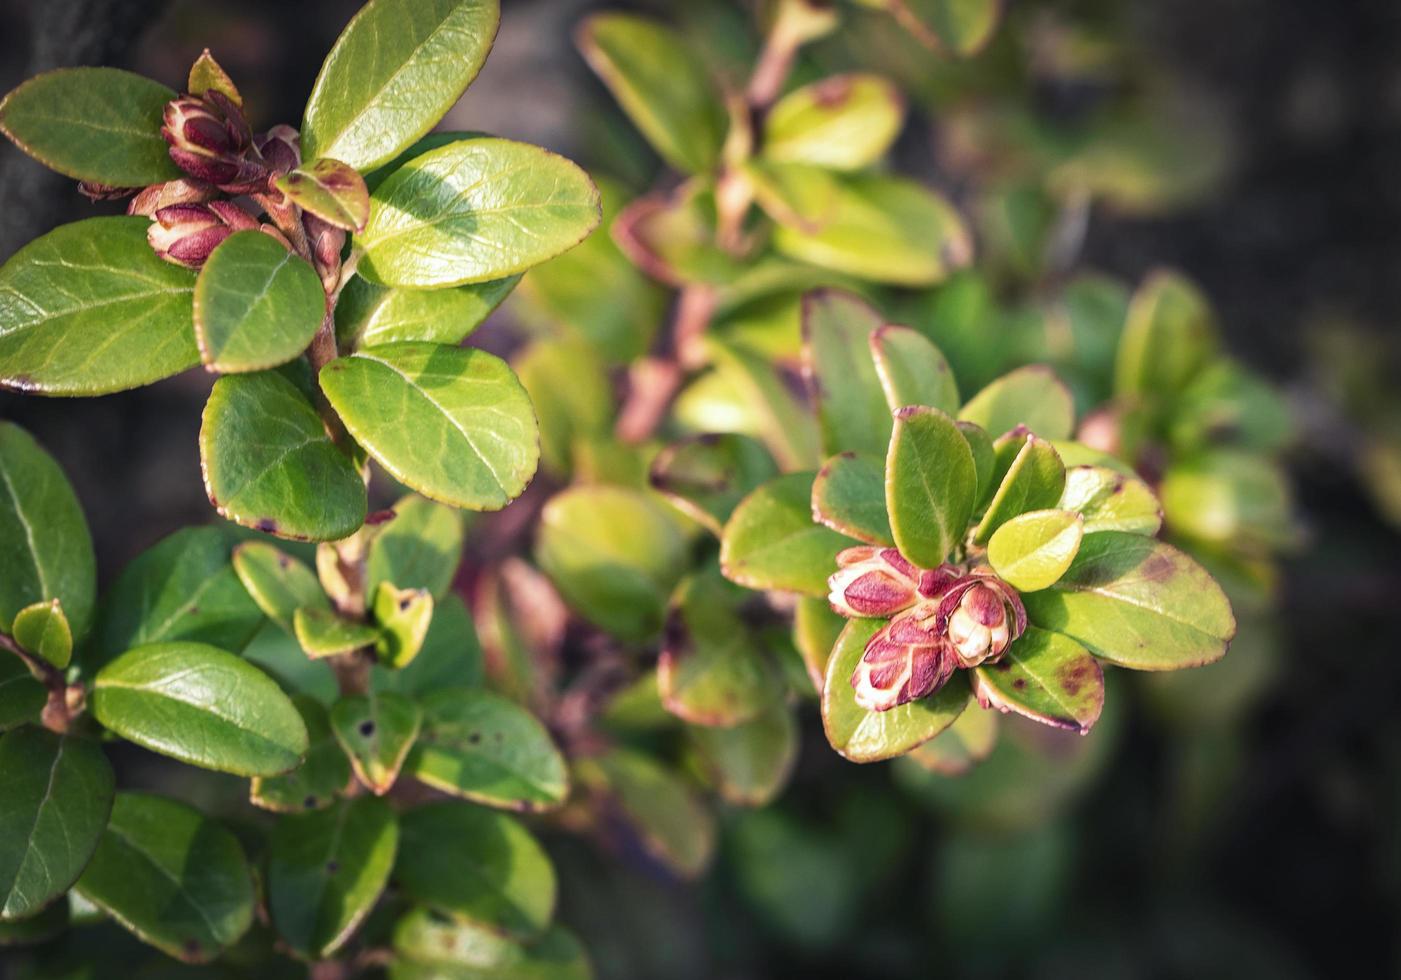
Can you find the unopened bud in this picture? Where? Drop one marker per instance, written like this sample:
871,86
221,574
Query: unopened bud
326,241
184,191
907,660
280,148
210,140
186,234
104,192
880,582
982,616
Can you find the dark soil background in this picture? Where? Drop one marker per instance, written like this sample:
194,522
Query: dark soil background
1305,845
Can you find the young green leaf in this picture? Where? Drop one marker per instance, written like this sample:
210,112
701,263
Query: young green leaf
1030,476
403,617
200,705
331,190
661,84
870,736
277,582
843,122
961,746
1111,501
1168,337
1046,677
368,315
42,629
848,496
1032,550
58,792
418,549
96,124
1030,396
750,763
984,456
89,309
672,236
177,880
477,866
314,784
269,463
773,414
321,632
377,732
326,870
451,655
484,748
1137,603
851,407
706,476
452,423
930,482
256,304
398,66
45,547
207,75
22,697
771,542
912,370
475,210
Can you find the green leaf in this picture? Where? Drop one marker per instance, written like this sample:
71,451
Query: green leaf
955,27
885,229
326,870
851,407
750,763
269,463
870,736
184,588
277,582
671,823
398,66
661,84
711,670
207,75
368,315
45,547
89,309
314,784
420,548
759,391
475,210
322,632
1030,476
479,867
1137,603
174,878
1046,677
1168,337
848,496
42,629
1111,501
377,731
572,394
257,304
452,423
771,542
58,792
815,631
844,122
451,655
96,124
48,923
1030,396
984,456
403,617
1031,551
484,748
200,705
961,746
672,236
331,190
930,482
434,947
912,370
706,476
1229,497
22,697
614,554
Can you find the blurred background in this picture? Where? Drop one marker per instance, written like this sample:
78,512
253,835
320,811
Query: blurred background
1243,823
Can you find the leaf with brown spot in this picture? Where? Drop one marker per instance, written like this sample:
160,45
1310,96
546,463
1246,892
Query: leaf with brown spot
1045,677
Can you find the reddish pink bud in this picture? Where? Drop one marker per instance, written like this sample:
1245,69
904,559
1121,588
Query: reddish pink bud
981,616
280,148
103,192
210,140
184,191
186,234
326,242
873,582
907,660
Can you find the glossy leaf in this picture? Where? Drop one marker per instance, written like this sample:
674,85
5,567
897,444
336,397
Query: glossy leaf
96,124
815,631
42,629
706,476
484,748
176,879
661,84
269,463
433,947
869,736
843,122
368,315
452,423
1111,501
672,825
1032,550
848,496
331,190
403,617
912,371
326,870
45,547
478,866
22,697
321,632
58,792
1168,337
256,305
851,406
1046,677
377,731
419,548
930,481
961,746
277,582
89,309
984,456
771,542
207,75
1138,603
614,554
451,655
398,66
473,211
1030,396
314,784
200,705
750,763
1030,477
